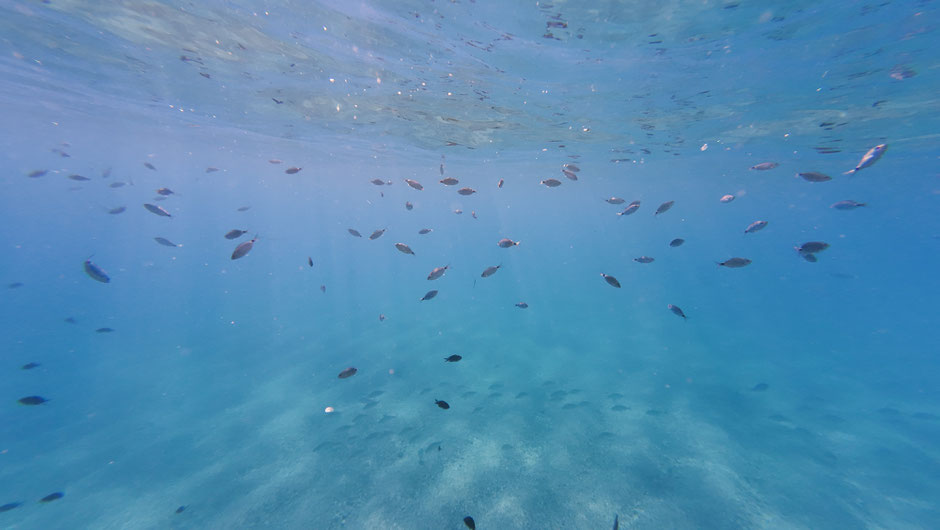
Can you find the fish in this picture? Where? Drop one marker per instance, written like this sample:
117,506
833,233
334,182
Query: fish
381,318
52,496
117,184
428,295
677,242
614,200
211,169
243,249
15,285
115,211
354,232
35,174
378,182
377,234
469,522
452,359
676,310
80,178
813,176
449,181
466,191
235,233
869,158
309,261
165,242
275,161
764,166
414,184
154,209
489,271
809,257
104,330
404,248
611,280
442,165
409,206
616,521
425,231
500,183
760,387
292,170
631,208
572,167
148,165
755,226
664,207
442,404
458,211
323,289
644,259
244,208
551,183
348,372
166,192
812,247
726,198
30,366
9,506
438,272
570,174
847,205
96,272
506,243
734,263
522,305
181,509
32,400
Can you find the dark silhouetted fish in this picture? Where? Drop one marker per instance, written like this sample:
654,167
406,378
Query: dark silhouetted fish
755,226
32,400
425,231
154,209
489,271
631,208
760,387
148,165
96,272
166,192
506,243
572,167
30,366
377,234
181,509
117,184
104,330
500,183
664,207
404,248
551,183
9,506
676,310
614,200
347,373
452,359
115,211
235,234
611,280
764,166
522,305
466,191
813,176
847,205
292,170
414,184
244,208
438,272
378,182
809,257
428,295
812,247
37,173
644,259
15,285
569,174
52,496
677,242
243,249
441,404
449,181
735,263
354,232
80,178
869,158
309,261
409,206
616,522
211,169
323,288
165,242
469,522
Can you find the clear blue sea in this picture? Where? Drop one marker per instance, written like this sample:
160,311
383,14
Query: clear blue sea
197,391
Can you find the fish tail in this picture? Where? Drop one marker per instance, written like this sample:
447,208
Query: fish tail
850,172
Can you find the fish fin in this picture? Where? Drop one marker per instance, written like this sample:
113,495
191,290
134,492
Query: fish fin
850,172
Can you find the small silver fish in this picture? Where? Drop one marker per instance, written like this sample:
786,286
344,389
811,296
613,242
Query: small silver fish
614,200
348,372
243,249
414,184
500,183
489,271
428,295
677,242
570,174
812,247
235,233
506,243
735,263
378,182
676,310
425,231
466,191
644,259
96,272
814,176
630,209
611,280
869,158
755,226
551,183
354,232
847,205
572,167
764,166
664,207
404,248
438,272
522,305
377,234
292,170
449,181
153,208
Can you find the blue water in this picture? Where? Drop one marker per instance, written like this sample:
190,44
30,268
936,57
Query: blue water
795,394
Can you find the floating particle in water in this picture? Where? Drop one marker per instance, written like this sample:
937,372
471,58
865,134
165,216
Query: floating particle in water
489,271
354,232
377,234
452,358
869,158
764,166
348,372
156,210
404,248
735,263
814,176
414,184
664,207
677,242
292,170
755,226
614,200
610,280
428,295
438,272
449,181
243,249
551,183
95,272
676,310
32,400
506,243
847,205
442,404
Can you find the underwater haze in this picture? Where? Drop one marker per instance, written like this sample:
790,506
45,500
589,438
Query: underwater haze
449,264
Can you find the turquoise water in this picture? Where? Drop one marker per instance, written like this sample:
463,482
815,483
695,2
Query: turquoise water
795,394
